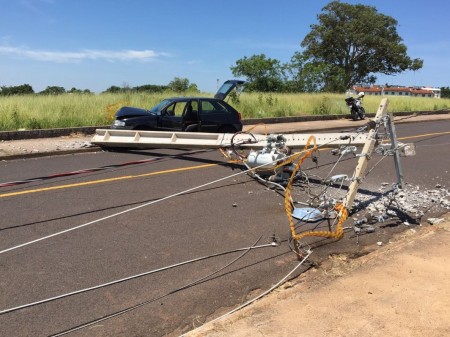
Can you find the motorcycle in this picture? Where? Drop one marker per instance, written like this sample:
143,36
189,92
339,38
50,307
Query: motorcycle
355,105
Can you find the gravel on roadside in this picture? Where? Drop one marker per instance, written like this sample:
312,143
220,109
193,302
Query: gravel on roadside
10,149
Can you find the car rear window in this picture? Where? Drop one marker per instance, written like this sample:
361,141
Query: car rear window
213,107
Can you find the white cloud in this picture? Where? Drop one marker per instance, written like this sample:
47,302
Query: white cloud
87,54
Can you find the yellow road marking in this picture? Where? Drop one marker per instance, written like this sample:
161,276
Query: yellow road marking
160,172
106,180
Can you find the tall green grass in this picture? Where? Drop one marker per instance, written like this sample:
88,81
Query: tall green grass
68,110
260,105
73,110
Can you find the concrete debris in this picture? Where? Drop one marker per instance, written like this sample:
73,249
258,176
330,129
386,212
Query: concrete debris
370,229
412,200
390,204
391,212
435,221
360,222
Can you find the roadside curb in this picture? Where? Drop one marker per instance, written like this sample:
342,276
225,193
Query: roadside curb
48,133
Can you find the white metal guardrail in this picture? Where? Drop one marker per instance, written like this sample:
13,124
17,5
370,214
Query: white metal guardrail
110,138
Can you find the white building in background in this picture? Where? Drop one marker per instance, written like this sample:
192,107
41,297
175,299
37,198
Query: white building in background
398,91
436,91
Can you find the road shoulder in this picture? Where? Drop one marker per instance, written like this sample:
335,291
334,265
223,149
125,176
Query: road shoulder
388,292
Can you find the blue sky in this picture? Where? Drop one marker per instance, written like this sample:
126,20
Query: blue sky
93,44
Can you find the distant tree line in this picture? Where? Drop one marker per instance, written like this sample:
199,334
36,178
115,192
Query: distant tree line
23,89
143,88
26,89
178,85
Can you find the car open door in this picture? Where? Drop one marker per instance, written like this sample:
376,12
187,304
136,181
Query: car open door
171,118
227,87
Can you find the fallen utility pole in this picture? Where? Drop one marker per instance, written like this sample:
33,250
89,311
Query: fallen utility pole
134,139
365,156
270,152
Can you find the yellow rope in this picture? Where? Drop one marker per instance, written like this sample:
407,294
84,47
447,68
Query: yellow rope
337,234
342,211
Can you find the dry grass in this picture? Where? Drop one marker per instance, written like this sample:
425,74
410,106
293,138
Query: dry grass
72,110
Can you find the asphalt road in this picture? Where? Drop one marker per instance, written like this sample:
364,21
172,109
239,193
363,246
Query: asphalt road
220,217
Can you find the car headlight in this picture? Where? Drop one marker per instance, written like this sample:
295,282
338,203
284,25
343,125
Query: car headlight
119,123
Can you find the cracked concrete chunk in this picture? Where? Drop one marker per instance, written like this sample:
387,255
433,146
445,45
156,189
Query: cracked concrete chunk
435,221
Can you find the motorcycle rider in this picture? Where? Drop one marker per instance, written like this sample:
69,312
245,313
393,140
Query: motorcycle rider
356,108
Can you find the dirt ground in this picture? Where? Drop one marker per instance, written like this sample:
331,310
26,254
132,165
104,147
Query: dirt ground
400,289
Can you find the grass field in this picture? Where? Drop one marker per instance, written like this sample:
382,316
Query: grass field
73,110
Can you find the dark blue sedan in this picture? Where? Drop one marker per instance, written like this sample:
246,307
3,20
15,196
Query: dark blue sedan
190,114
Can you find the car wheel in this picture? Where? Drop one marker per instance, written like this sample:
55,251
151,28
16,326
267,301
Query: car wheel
362,113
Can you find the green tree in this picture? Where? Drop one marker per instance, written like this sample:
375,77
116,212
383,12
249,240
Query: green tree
79,91
150,88
193,88
352,43
445,92
304,76
74,91
179,84
261,73
24,89
53,90
114,89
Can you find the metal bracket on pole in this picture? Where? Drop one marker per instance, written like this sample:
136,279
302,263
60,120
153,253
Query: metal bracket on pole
394,143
